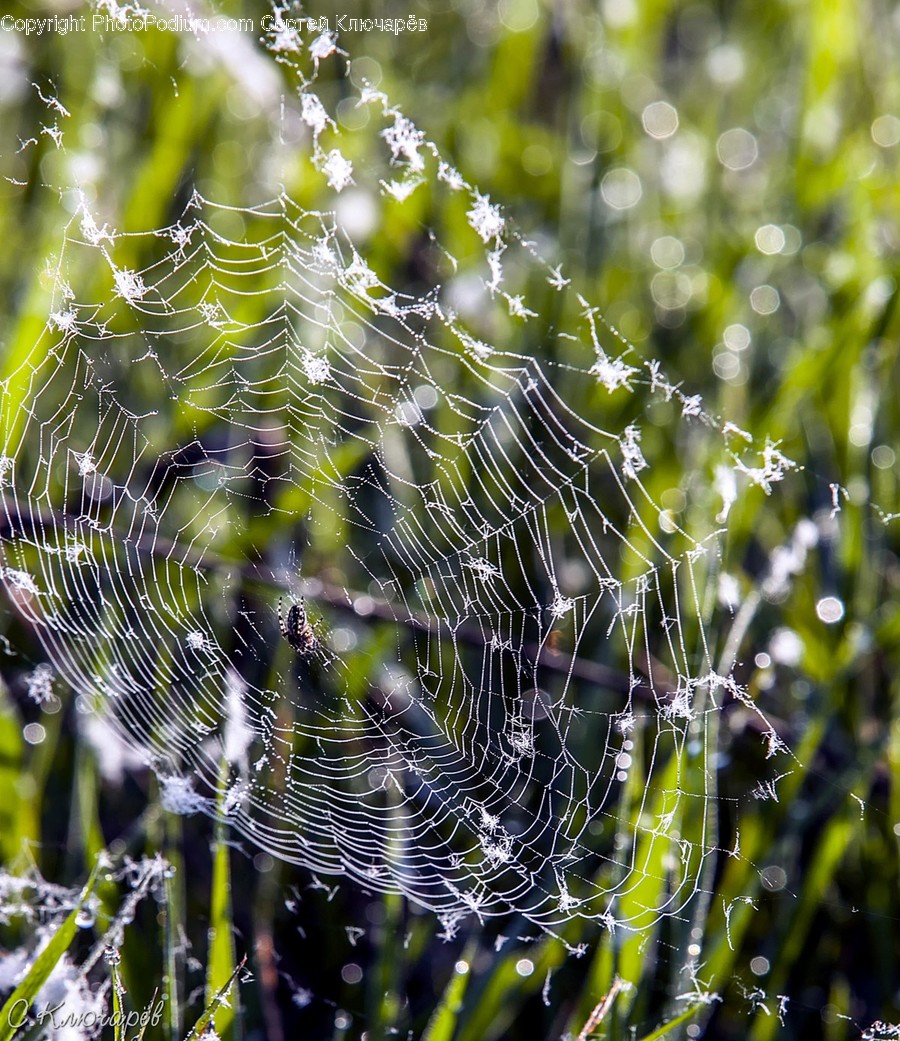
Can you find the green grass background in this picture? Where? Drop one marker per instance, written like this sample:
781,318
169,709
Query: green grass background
537,103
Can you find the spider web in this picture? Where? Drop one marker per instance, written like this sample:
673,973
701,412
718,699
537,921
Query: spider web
516,698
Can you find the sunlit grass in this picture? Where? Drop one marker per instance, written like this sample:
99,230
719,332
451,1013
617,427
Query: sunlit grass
768,285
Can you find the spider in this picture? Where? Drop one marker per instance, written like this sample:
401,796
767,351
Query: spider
297,630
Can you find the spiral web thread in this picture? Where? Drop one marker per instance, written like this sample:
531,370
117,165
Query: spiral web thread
512,703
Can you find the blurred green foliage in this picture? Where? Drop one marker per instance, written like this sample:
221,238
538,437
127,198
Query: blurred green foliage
721,179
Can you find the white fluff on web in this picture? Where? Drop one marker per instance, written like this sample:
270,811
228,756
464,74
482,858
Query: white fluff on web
511,626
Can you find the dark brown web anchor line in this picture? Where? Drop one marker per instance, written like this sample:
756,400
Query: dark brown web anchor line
17,521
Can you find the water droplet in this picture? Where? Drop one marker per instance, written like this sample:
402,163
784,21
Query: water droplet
85,918
830,610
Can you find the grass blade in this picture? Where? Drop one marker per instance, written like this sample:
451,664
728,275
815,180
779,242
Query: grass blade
23,997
